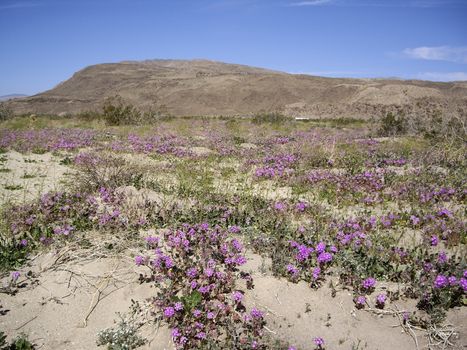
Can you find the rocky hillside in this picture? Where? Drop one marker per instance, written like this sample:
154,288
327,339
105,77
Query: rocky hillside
201,87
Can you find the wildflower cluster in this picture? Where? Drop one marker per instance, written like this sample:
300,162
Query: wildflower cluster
200,298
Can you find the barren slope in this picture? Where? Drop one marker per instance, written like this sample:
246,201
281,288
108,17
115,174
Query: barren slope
202,87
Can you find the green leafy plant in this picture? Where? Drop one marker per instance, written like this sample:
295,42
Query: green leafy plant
392,124
125,335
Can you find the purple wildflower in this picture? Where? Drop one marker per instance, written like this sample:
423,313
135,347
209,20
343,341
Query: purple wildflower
427,267
292,269
301,206
279,206
139,260
441,281
208,272
234,229
316,273
463,284
196,313
176,333
442,258
319,342
192,273
237,245
255,313
303,252
203,290
320,247
201,335
369,283
415,220
15,275
152,241
237,296
169,312
360,301
324,257
178,306
380,300
445,212
240,260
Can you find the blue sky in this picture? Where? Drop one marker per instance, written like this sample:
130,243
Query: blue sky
43,42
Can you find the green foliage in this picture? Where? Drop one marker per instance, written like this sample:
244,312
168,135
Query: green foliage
10,256
125,335
117,112
12,187
3,343
191,301
270,117
438,126
392,125
89,116
66,161
5,112
21,342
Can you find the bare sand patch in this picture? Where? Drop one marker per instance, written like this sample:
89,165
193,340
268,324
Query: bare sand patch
27,176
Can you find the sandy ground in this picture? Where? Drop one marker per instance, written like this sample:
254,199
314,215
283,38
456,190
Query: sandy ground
65,305
67,301
26,176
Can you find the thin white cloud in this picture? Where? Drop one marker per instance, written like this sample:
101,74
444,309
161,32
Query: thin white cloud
438,53
383,3
436,3
311,3
19,4
437,76
332,73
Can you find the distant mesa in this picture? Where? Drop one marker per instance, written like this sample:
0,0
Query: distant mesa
202,87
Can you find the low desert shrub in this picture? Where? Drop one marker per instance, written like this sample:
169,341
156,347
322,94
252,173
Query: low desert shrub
5,112
270,117
21,342
116,112
124,336
105,171
392,124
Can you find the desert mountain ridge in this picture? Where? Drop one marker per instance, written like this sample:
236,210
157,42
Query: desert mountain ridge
11,96
202,87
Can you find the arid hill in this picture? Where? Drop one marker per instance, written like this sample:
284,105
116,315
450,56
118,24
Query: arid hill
201,87
11,96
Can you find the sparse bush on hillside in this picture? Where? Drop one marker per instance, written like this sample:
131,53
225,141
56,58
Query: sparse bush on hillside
392,124
89,116
117,112
439,126
5,112
431,125
269,117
